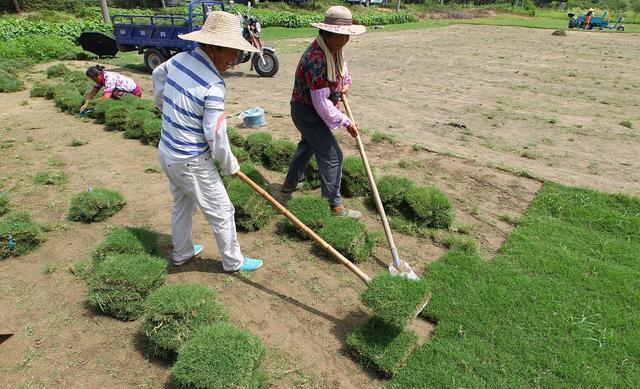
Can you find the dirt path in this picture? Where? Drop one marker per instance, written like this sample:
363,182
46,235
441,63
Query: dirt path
302,304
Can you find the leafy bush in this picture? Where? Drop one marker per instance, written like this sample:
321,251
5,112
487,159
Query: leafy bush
174,312
57,71
241,154
95,205
39,89
252,211
134,123
384,345
127,240
354,177
348,236
50,177
256,143
312,211
9,83
14,27
235,137
430,206
220,356
395,299
278,154
393,191
152,131
119,284
27,234
4,203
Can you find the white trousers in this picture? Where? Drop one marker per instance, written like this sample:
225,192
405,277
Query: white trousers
195,182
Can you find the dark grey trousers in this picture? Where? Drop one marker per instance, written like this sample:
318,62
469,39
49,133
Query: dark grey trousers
317,139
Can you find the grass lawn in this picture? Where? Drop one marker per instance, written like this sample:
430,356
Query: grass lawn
537,22
559,306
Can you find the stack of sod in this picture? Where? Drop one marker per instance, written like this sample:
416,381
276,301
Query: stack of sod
235,138
256,143
116,115
67,99
220,356
57,71
95,205
393,192
100,109
135,122
127,240
384,345
241,154
151,131
173,312
394,299
39,89
252,211
348,236
278,154
9,82
27,235
312,211
354,177
119,284
4,203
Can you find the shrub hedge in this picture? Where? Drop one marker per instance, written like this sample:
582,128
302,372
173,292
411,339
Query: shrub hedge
381,344
95,205
395,299
354,177
27,234
220,356
127,240
348,236
173,312
119,284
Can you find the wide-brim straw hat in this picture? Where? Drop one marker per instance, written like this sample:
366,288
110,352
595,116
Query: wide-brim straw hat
338,20
221,29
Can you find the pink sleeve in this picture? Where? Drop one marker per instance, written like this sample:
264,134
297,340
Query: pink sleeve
347,76
329,113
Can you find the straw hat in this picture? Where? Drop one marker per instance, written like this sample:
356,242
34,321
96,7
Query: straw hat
338,20
590,10
221,29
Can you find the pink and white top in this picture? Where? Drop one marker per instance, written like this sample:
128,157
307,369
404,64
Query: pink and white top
114,82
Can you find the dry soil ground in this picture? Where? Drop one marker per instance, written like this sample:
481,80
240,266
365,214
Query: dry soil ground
474,98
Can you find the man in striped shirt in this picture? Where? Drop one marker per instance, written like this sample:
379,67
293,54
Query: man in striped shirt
190,92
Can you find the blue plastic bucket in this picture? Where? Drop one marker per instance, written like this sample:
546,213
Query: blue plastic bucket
253,117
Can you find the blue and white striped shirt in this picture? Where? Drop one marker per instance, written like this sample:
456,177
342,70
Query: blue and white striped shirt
190,91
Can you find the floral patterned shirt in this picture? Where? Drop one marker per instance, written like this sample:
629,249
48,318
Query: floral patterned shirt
311,74
117,82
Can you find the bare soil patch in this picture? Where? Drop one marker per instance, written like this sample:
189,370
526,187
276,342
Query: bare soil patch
504,84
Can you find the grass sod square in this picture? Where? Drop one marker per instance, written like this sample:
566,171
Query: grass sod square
384,345
348,236
173,312
395,299
127,240
119,285
9,82
311,210
115,117
429,206
134,123
57,71
252,211
354,177
5,203
50,177
250,171
27,234
241,154
38,89
100,108
67,100
557,307
220,356
393,191
95,205
151,131
235,137
256,143
278,154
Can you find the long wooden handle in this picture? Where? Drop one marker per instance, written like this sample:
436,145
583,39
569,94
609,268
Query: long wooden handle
374,190
308,231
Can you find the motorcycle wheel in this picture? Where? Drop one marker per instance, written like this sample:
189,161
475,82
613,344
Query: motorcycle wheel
620,28
270,66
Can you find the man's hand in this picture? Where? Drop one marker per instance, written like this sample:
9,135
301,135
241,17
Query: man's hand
84,106
353,129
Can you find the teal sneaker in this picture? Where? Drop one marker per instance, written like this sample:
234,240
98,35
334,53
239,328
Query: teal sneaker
250,264
197,249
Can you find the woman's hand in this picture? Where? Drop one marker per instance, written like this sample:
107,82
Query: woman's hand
352,128
345,89
84,106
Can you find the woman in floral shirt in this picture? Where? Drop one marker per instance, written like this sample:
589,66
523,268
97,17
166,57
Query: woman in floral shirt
320,80
115,85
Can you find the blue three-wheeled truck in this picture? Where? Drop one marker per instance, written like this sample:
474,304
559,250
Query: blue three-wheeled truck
157,37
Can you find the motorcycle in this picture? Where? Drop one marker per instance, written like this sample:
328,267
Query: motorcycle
265,62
